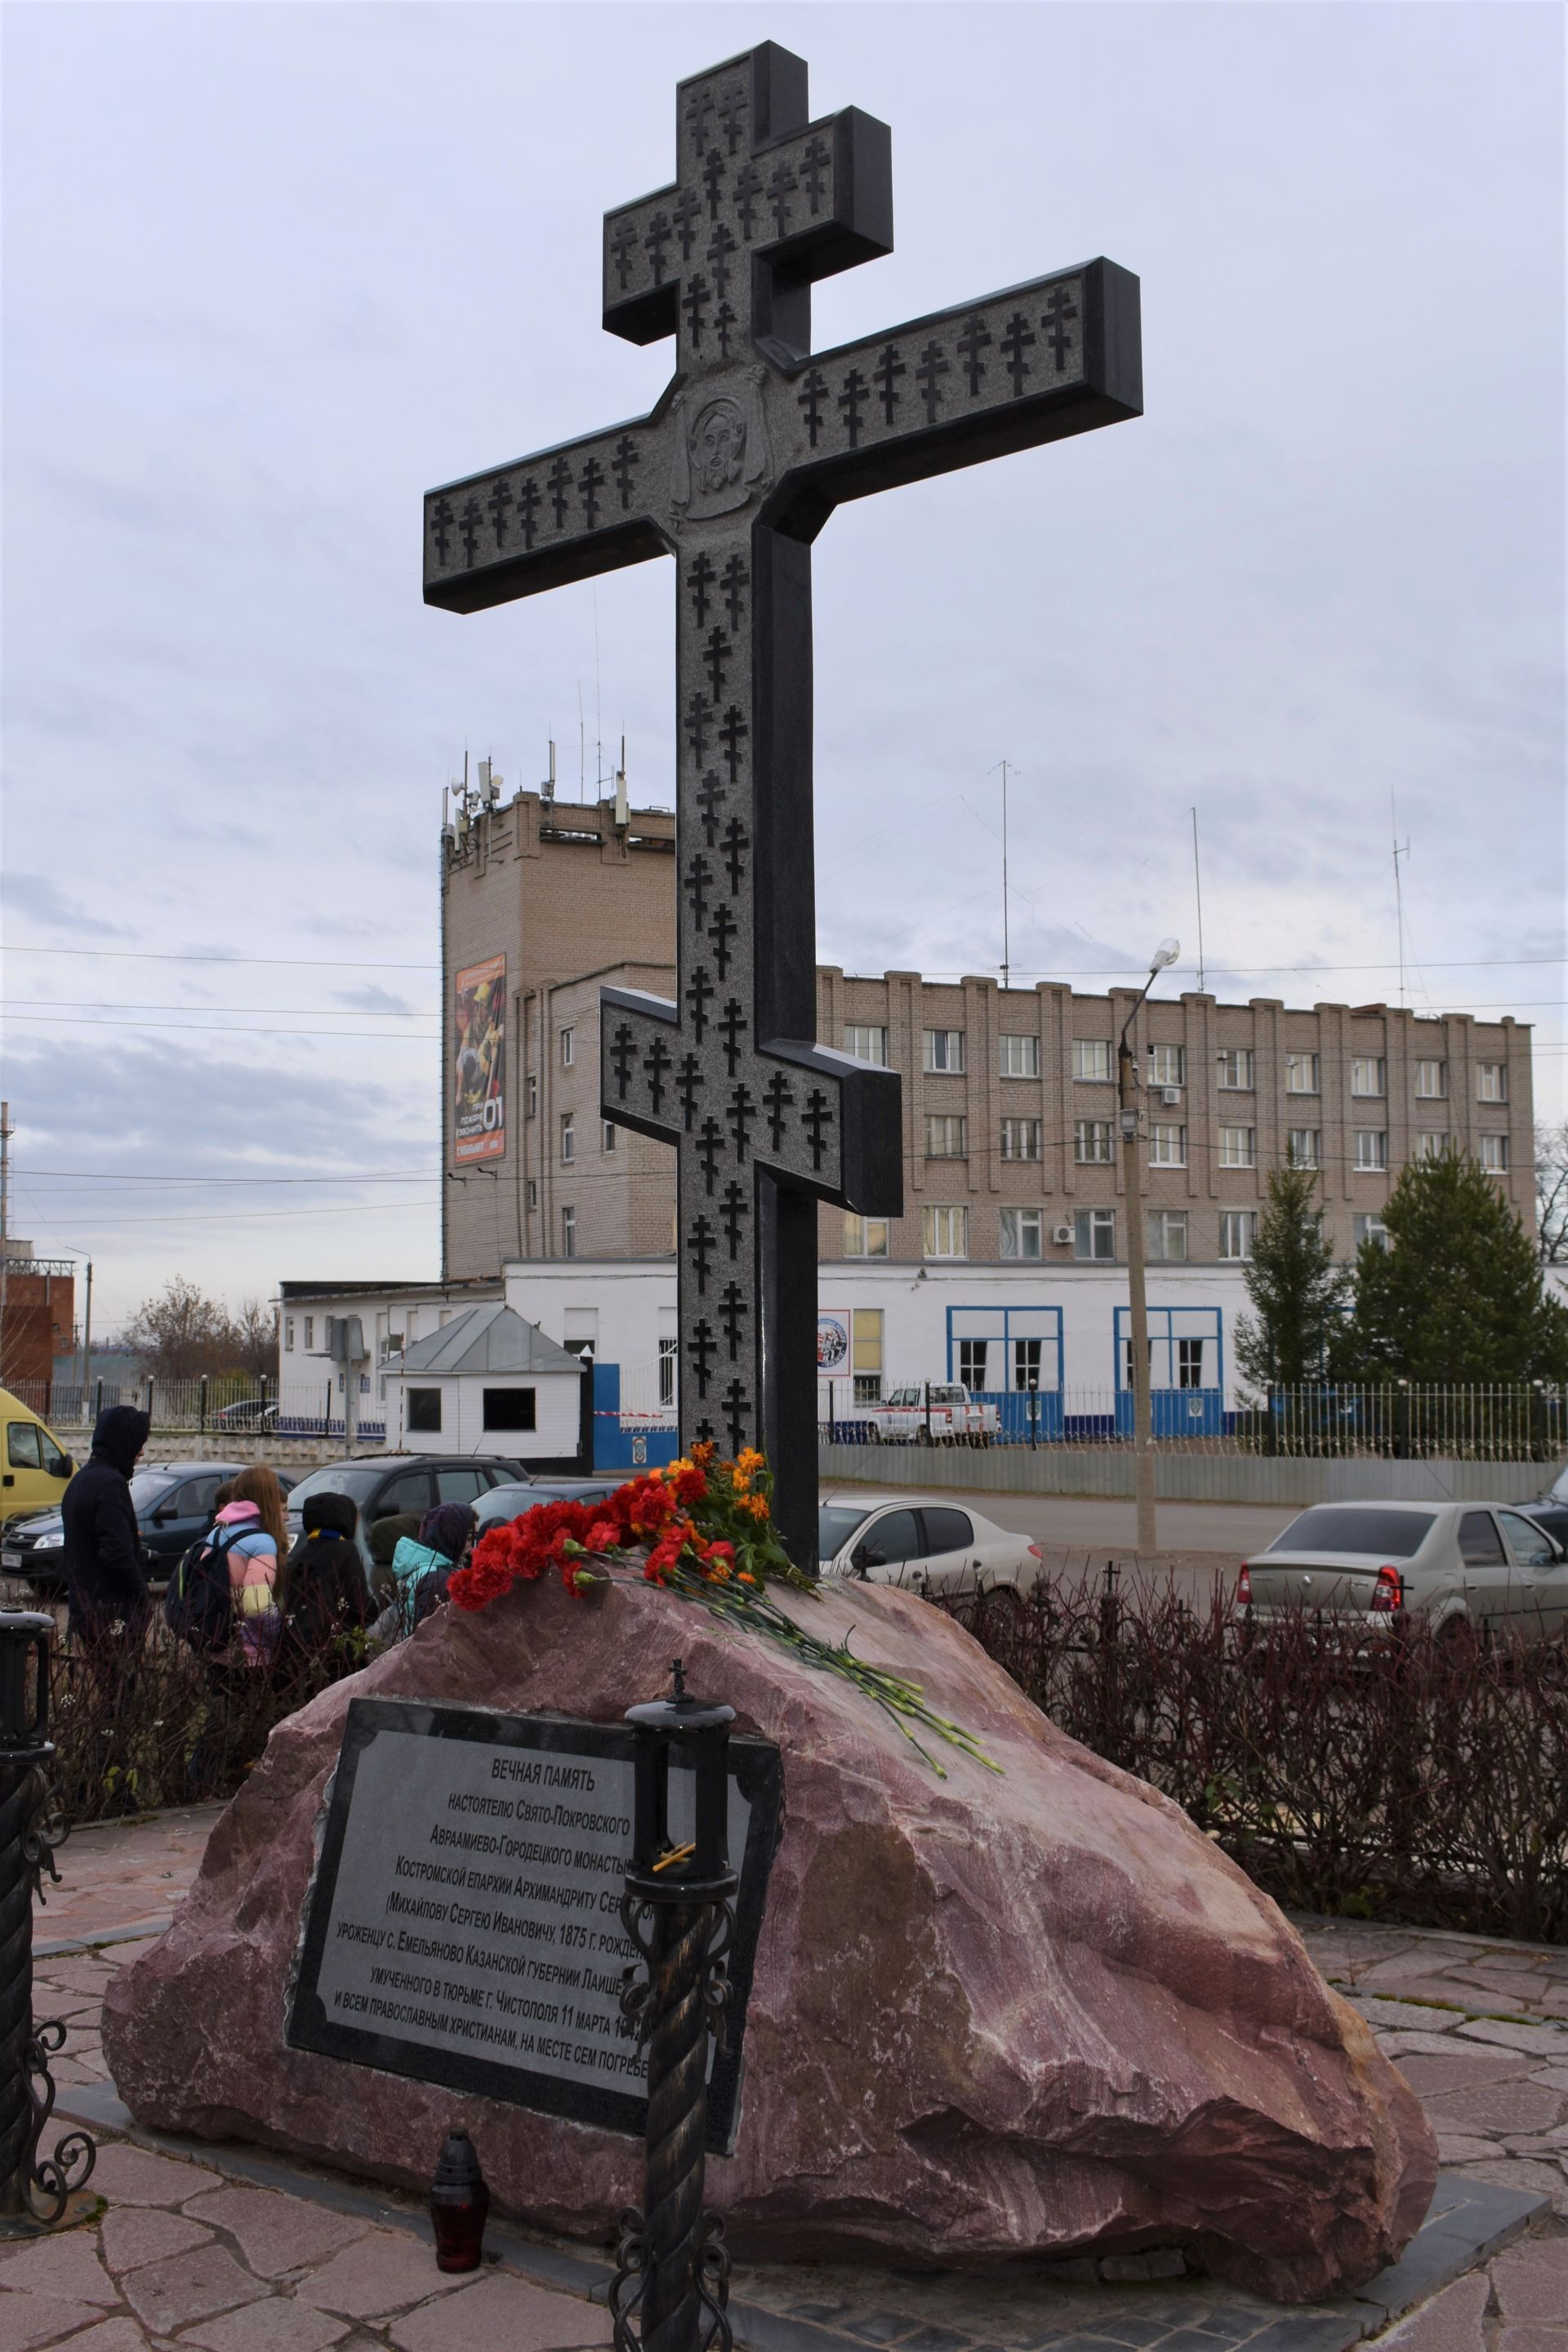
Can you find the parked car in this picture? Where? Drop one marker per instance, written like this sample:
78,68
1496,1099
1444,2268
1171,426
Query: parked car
174,1503
380,1486
250,1412
1464,1566
941,1411
1551,1515
929,1547
34,1469
504,1503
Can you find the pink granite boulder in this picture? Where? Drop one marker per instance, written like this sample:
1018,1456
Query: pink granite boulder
991,2018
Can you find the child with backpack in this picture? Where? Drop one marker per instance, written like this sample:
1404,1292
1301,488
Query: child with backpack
224,1594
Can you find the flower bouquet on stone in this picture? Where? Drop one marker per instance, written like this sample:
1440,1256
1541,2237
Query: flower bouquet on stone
701,1527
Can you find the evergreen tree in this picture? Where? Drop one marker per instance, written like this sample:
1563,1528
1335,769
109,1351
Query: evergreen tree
1296,1284
1456,1297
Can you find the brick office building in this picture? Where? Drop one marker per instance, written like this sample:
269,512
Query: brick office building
1009,1096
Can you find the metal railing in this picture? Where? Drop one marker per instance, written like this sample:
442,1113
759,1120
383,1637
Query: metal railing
1525,1422
237,1405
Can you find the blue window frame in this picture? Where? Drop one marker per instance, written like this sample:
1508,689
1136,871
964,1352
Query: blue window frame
1186,1364
1003,1353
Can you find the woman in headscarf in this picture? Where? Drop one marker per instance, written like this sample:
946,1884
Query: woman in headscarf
324,1592
424,1568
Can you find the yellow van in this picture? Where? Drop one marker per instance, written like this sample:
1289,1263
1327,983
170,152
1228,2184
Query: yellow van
34,1469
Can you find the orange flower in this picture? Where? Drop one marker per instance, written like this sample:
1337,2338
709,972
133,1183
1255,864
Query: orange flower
757,1505
750,1460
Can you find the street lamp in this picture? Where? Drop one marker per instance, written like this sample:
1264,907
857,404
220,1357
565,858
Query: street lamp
1131,1178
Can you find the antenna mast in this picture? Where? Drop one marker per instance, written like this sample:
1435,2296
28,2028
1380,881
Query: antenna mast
1400,850
1198,886
1006,958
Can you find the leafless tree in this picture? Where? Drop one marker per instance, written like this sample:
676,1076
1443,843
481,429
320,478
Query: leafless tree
253,1339
181,1333
1552,1193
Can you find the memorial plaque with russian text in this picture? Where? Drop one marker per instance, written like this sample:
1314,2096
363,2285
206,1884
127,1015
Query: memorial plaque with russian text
463,1922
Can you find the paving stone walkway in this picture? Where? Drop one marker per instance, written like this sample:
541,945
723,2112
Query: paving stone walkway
233,2251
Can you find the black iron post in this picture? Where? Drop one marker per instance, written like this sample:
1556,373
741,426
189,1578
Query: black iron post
672,2266
34,2191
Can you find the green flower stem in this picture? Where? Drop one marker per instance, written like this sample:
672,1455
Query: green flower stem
903,1701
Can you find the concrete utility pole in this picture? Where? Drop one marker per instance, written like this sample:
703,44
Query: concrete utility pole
4,1222
1131,1178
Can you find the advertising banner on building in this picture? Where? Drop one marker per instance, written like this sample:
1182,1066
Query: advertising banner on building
832,1342
479,1060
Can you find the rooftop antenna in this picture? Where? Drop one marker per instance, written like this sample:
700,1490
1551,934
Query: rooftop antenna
1401,849
622,811
582,748
1006,958
547,790
1198,887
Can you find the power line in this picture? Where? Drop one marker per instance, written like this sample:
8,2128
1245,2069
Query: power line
232,1029
105,1176
170,955
133,1004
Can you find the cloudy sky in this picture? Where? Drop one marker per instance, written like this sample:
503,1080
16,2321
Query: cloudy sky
271,270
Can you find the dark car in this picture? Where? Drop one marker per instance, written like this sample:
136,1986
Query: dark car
381,1486
503,1503
1551,1514
174,1503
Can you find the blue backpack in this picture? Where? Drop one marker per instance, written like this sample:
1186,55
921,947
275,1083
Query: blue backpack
198,1604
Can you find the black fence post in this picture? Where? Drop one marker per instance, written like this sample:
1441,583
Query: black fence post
34,2191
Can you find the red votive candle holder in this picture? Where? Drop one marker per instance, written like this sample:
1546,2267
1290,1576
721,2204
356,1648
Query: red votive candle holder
460,2203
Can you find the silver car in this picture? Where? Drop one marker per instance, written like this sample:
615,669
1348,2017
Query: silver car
1462,1565
927,1547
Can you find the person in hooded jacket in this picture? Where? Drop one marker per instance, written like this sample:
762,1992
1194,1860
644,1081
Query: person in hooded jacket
324,1592
424,1568
104,1575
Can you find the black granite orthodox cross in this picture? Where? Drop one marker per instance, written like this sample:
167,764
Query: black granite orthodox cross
755,441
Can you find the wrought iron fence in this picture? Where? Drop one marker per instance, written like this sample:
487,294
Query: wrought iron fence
236,1405
1526,1421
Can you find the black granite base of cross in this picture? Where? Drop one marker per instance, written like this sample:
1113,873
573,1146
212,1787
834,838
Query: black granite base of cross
751,446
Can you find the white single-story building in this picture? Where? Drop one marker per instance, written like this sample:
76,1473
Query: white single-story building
488,1383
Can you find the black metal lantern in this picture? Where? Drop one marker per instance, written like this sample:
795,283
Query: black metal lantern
25,1637
660,1870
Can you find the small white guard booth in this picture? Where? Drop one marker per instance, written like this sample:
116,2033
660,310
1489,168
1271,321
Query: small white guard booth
487,1382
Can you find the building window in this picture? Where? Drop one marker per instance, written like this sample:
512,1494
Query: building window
1168,1234
424,1412
1301,1073
310,1333
1092,1143
289,1333
1167,1145
1494,1154
568,1137
1432,1144
1020,1139
1028,1363
1022,1233
1018,1057
531,1095
865,1353
942,1049
1189,1363
865,1237
1238,1147
1094,1233
509,1408
1491,1082
1368,1075
866,1043
1370,1228
1091,1060
533,1192
945,1233
568,1232
1167,1065
568,1048
1236,1065
947,1139
1432,1081
607,1136
972,1363
1307,1147
666,1362
1237,1232
1370,1148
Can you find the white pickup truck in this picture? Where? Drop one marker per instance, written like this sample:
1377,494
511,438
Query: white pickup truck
940,1412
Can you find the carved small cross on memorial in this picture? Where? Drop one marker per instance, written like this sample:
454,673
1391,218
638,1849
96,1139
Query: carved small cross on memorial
753,444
